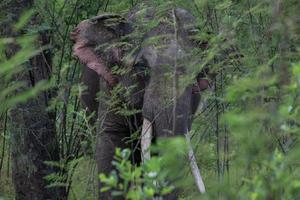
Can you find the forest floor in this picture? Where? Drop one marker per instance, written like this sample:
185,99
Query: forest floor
84,181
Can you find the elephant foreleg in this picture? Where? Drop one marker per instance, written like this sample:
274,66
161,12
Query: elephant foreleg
114,131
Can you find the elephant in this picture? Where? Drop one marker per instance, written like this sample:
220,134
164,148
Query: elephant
154,78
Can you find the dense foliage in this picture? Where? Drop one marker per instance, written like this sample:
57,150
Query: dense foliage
245,134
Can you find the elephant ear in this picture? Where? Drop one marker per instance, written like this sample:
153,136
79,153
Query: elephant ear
189,30
189,27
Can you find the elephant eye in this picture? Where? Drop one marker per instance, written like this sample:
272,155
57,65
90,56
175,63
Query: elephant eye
141,68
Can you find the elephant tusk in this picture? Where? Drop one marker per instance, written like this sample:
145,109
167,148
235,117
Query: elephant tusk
146,139
193,164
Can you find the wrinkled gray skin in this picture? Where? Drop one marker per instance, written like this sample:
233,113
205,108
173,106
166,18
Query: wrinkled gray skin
154,91
171,53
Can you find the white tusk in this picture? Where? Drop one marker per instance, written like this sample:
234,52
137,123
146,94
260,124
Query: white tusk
193,164
146,139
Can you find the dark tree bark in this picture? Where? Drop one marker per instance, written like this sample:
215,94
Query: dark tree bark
33,136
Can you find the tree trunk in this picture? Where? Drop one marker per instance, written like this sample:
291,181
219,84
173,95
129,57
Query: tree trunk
33,136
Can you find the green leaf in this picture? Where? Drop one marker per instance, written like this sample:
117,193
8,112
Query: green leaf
24,19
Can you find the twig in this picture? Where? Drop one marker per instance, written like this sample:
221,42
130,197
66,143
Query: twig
4,142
